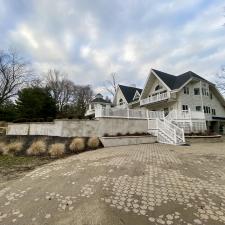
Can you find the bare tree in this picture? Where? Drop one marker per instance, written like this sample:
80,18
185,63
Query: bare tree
14,73
111,84
220,80
83,96
61,88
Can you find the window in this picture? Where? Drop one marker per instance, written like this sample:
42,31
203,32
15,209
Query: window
136,96
121,101
206,109
158,87
205,92
185,107
196,91
186,90
213,112
211,96
198,108
209,110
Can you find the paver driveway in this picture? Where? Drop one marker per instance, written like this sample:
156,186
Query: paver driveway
143,184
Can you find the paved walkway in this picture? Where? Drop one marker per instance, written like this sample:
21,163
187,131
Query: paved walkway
135,185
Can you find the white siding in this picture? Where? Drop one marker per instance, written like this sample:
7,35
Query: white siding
189,99
214,103
119,95
200,100
153,86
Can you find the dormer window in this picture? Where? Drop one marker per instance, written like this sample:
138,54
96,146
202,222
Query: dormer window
136,96
121,101
158,87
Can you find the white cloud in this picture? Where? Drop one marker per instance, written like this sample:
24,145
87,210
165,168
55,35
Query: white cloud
89,40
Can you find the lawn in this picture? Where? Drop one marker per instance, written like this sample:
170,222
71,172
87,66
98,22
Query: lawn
14,167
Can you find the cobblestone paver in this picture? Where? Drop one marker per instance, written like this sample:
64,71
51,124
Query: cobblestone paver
143,184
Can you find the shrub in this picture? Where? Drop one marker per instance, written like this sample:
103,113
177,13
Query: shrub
50,119
118,134
57,150
77,144
93,142
105,135
13,148
37,148
21,120
2,148
70,117
3,124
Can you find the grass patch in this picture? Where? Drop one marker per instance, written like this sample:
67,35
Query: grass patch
10,161
13,167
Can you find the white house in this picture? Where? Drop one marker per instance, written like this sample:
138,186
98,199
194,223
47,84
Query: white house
172,105
187,99
127,96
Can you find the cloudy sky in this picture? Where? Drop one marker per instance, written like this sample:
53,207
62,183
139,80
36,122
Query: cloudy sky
89,39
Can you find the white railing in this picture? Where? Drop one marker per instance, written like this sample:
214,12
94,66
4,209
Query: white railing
155,114
178,132
128,113
121,113
185,115
155,98
166,131
190,121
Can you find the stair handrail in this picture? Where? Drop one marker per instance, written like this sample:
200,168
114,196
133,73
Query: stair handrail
167,130
179,132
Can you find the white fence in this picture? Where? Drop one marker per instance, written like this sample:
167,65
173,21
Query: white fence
128,113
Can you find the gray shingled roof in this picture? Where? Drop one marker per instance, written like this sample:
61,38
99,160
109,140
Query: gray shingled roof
100,100
129,92
175,82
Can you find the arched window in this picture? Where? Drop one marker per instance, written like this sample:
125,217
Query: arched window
121,101
158,87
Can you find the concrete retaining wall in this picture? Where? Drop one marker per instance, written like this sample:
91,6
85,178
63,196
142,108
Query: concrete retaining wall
82,128
204,139
127,140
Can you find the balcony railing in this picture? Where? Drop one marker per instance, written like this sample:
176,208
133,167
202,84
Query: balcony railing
155,98
185,115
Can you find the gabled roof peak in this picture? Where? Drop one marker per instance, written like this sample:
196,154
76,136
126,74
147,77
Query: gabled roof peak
175,82
129,92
